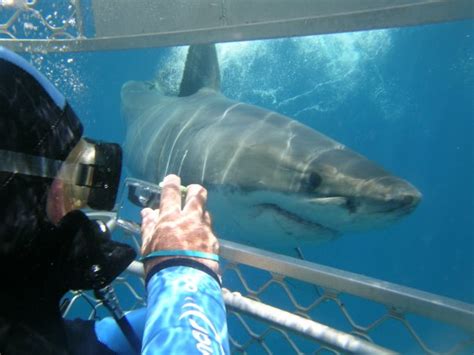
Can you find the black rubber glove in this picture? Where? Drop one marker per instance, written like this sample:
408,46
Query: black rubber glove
87,244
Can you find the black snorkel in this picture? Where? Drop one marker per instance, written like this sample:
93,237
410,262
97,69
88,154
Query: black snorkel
106,294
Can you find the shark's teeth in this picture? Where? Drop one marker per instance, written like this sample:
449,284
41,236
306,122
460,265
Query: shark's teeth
338,200
292,216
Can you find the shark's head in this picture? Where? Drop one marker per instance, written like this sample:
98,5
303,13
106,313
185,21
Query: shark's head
346,192
313,188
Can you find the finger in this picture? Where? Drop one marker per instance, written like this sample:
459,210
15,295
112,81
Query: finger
149,214
146,212
149,221
216,247
196,198
170,195
207,218
147,230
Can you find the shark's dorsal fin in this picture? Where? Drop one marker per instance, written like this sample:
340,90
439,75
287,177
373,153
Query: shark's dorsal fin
201,70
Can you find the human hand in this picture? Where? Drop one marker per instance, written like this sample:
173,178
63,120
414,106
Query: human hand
172,227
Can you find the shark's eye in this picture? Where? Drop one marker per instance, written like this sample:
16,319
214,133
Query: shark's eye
311,183
150,85
314,180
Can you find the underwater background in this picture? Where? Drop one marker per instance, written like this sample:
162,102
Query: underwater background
404,98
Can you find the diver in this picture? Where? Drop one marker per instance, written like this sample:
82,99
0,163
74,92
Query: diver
48,246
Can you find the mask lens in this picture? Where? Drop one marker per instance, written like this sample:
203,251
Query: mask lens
107,168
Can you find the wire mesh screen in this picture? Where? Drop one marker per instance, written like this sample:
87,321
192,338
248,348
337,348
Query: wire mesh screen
376,323
269,329
34,19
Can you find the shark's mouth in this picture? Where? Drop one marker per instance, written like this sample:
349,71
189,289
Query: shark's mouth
354,215
294,218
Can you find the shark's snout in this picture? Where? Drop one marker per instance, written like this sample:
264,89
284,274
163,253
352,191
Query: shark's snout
406,200
398,196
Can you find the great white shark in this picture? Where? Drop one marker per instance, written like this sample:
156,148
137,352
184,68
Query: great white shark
279,183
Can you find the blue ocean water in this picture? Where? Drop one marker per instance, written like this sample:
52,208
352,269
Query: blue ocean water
402,97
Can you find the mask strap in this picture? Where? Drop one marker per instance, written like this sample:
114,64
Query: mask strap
33,165
25,164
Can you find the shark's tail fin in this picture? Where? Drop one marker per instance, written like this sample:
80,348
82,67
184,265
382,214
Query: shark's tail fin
201,70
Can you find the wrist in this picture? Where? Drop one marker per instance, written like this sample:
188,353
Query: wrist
208,266
151,263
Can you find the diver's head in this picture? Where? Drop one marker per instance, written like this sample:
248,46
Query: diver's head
46,168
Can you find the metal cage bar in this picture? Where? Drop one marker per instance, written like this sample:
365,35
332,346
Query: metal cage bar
122,24
399,300
318,332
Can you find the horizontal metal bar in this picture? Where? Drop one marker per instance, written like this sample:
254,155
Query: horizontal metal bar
404,299
136,268
318,332
408,13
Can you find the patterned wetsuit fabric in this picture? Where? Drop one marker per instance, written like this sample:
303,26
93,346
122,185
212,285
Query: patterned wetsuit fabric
186,314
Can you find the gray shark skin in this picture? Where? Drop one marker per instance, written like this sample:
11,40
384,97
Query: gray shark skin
276,182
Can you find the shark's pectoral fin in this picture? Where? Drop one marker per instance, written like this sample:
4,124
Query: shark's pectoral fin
201,70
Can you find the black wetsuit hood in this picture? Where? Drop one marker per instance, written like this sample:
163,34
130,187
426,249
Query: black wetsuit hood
39,261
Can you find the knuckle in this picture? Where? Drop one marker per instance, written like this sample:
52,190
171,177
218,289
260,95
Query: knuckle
171,178
171,215
197,189
167,228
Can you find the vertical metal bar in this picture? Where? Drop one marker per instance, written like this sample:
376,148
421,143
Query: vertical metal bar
79,19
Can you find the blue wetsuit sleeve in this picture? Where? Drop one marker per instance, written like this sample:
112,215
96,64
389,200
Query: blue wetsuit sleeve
185,314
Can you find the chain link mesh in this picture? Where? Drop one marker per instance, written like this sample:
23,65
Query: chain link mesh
362,318
22,19
329,307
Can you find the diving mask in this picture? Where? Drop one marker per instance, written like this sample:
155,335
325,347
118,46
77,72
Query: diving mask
89,177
